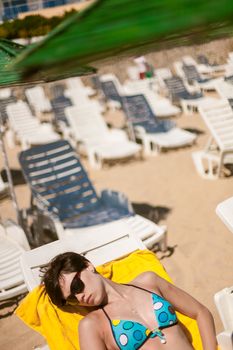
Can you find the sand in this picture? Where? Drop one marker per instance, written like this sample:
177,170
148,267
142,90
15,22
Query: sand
167,189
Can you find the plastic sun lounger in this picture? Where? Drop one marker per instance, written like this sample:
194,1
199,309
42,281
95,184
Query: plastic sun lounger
202,68
122,258
77,84
64,196
111,89
27,128
98,248
161,106
224,303
189,101
95,139
59,104
203,60
224,298
225,211
219,149
193,76
38,100
13,243
154,134
110,245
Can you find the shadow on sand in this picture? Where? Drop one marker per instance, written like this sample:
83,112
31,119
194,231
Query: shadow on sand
17,176
155,214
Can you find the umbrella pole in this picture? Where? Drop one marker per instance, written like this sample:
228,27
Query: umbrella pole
9,176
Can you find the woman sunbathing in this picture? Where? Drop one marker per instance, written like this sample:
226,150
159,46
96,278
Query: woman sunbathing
139,315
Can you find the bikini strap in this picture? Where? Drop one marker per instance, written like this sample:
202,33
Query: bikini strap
138,287
106,314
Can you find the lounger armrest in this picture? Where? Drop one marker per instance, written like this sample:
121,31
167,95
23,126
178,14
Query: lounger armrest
116,199
225,340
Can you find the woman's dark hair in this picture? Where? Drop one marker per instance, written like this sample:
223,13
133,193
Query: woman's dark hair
63,263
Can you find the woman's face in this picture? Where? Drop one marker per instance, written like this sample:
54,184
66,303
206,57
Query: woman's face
92,291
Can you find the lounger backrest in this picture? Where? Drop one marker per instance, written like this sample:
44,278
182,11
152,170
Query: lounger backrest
219,119
137,109
97,246
59,104
110,90
18,110
57,179
87,123
191,72
224,89
175,85
37,98
139,113
203,60
20,117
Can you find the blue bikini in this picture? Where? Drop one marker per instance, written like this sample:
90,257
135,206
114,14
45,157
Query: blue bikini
131,335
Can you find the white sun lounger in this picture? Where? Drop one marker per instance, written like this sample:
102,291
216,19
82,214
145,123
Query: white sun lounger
95,139
38,100
224,298
219,149
98,247
77,84
13,243
225,211
107,246
161,106
26,128
64,196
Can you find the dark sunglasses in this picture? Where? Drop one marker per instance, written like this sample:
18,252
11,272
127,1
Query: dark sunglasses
76,287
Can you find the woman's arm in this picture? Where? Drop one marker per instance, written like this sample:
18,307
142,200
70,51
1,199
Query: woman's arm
89,336
187,305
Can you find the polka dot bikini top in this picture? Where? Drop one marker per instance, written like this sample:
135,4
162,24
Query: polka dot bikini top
131,335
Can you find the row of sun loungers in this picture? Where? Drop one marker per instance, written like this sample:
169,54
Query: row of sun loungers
101,226
79,116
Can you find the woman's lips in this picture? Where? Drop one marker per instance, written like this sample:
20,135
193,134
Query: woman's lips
88,299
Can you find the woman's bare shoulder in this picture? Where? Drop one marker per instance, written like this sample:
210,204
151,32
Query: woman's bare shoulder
146,279
90,320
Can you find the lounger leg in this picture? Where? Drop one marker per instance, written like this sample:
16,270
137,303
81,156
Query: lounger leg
163,243
10,138
184,107
94,160
149,147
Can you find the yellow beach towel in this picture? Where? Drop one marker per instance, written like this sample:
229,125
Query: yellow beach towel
60,327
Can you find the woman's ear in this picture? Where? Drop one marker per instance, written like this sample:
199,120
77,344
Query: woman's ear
90,267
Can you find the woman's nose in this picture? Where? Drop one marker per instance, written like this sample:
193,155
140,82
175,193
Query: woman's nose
80,297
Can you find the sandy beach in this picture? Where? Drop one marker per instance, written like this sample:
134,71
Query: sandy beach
167,189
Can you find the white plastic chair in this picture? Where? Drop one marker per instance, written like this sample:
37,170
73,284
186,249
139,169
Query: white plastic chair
13,243
96,139
27,128
219,149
